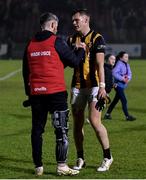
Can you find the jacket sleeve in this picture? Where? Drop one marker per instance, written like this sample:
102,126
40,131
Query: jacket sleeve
25,73
129,72
117,72
68,56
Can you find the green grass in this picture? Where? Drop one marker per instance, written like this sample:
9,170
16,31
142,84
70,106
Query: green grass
127,139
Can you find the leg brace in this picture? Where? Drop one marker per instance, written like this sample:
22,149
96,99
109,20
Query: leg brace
60,121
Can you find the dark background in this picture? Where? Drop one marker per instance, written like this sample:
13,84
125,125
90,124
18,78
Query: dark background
121,21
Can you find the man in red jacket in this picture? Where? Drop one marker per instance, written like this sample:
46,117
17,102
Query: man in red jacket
43,73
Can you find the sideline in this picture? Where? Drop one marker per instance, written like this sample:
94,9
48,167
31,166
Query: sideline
10,75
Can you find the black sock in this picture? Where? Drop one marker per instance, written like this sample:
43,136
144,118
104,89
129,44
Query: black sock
80,154
106,153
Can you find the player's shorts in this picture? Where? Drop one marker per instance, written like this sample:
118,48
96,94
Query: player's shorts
80,97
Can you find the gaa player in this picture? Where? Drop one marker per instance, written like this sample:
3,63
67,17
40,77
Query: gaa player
87,87
43,73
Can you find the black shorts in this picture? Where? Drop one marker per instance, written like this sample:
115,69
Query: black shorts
50,102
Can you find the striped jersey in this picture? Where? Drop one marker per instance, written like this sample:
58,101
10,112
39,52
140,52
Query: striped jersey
86,74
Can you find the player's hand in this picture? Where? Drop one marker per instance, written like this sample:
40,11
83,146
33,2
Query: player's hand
100,105
101,93
102,102
80,45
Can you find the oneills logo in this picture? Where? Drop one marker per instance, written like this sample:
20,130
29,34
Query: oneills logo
40,89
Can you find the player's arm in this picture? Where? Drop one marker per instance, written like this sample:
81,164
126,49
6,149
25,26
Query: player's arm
99,48
100,63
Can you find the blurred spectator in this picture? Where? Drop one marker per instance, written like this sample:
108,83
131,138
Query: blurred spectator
122,76
10,44
108,66
3,10
131,26
117,17
116,23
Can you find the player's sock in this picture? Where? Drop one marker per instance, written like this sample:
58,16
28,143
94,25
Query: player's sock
80,154
106,153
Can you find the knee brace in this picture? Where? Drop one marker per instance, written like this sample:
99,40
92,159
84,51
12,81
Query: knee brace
60,123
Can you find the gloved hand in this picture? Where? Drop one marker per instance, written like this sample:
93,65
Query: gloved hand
26,103
100,105
102,102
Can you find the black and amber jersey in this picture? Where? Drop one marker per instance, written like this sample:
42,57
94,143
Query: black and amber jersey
86,75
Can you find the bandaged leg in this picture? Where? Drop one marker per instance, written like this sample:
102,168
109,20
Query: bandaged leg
60,120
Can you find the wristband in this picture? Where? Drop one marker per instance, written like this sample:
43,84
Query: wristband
102,85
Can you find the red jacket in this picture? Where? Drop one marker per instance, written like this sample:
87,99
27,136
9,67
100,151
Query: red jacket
46,69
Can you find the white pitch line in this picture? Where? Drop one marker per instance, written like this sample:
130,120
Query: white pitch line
10,75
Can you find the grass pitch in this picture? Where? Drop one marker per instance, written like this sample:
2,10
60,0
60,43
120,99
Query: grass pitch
127,139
